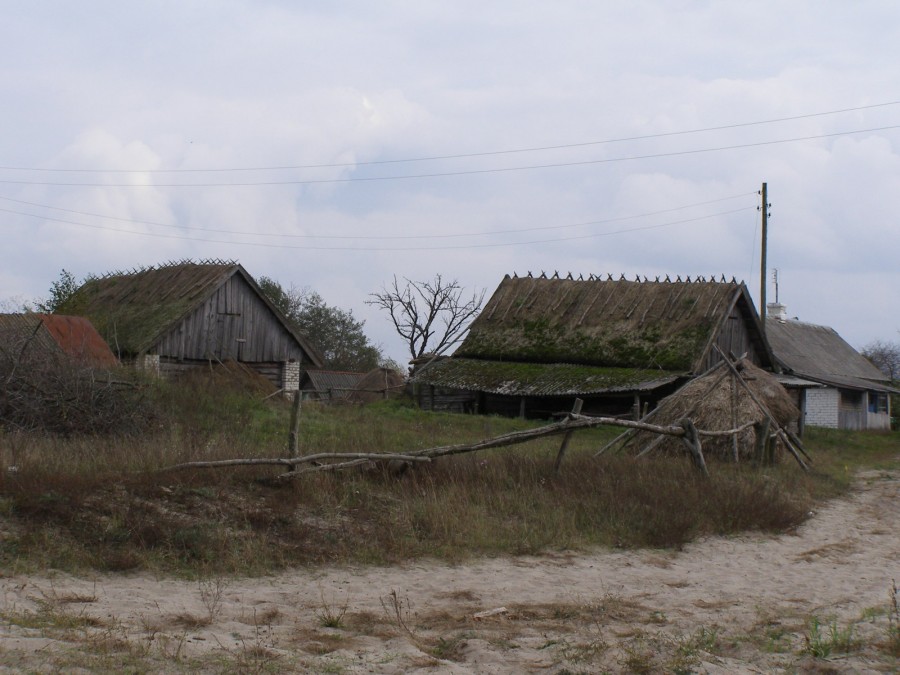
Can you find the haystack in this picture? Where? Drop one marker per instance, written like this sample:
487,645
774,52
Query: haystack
718,402
378,384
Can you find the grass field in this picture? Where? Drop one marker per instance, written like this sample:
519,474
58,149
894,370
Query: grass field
102,503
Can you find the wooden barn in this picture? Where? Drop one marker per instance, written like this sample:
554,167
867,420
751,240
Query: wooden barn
833,385
619,345
177,316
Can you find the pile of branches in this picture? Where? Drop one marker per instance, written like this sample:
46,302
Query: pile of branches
50,392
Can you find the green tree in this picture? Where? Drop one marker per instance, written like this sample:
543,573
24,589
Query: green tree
60,291
335,332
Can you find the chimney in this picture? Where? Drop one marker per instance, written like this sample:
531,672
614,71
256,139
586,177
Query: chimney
775,310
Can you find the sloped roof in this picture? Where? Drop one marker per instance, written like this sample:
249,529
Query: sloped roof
326,380
653,325
141,306
538,379
73,336
819,353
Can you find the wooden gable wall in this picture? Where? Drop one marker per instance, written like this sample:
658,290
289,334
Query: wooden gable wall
734,337
234,323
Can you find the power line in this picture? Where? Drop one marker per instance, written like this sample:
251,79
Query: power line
364,237
445,174
373,249
487,153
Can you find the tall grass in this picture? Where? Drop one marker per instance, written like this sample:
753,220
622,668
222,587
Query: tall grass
102,503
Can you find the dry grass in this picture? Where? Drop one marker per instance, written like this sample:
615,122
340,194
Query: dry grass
100,502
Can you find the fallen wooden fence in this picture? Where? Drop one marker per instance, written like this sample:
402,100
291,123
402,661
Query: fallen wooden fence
573,421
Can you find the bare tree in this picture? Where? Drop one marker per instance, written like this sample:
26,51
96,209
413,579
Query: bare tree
431,316
885,356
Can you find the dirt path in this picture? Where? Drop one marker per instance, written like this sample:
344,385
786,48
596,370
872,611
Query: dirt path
723,605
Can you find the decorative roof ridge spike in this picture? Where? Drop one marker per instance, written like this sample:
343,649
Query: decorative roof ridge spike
678,279
668,280
555,274
529,274
543,274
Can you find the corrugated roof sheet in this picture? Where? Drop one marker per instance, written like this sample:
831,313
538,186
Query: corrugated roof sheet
327,380
537,379
629,324
70,335
819,353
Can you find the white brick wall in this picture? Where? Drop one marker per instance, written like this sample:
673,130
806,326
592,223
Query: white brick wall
822,407
290,378
149,363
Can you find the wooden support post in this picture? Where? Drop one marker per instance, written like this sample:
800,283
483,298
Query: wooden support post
692,440
294,435
637,407
734,419
576,409
762,437
522,408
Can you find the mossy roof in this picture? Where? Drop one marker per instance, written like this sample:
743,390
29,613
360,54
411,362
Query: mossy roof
653,325
538,379
134,310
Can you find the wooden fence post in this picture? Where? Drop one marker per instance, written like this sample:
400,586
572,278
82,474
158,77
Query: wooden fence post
294,435
565,441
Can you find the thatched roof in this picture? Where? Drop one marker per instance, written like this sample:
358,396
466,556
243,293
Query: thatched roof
54,334
717,402
819,353
140,306
652,325
512,378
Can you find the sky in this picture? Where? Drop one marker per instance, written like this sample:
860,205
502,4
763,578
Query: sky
332,146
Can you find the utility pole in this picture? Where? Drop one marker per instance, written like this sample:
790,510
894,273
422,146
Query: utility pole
762,258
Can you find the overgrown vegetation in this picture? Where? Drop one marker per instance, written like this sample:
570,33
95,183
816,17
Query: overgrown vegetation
89,502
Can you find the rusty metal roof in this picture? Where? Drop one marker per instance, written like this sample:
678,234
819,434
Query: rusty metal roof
539,379
73,336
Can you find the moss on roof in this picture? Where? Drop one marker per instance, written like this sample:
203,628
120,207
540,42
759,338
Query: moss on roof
538,379
133,310
625,324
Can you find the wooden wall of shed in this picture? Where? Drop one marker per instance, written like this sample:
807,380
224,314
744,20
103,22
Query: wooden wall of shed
233,324
733,338
174,368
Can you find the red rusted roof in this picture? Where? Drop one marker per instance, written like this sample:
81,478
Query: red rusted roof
74,336
77,337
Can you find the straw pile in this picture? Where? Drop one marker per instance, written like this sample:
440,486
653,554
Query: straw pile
717,402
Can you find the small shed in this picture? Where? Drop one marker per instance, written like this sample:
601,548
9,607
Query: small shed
618,344
834,385
174,317
328,385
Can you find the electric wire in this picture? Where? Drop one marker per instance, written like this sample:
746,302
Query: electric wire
385,249
364,237
444,174
487,153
